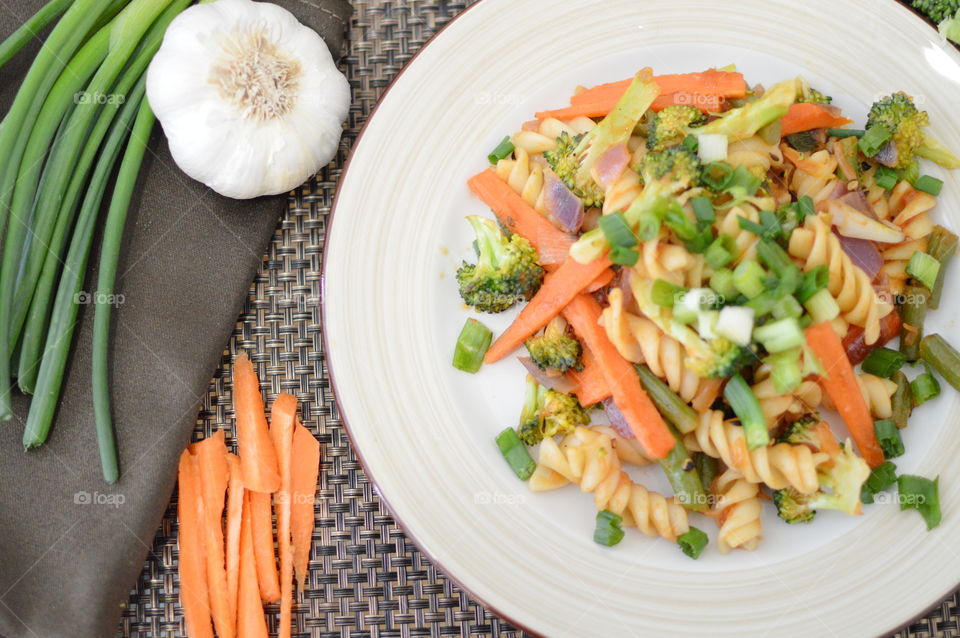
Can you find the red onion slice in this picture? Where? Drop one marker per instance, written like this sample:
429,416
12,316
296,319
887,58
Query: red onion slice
611,164
617,421
863,253
559,383
562,205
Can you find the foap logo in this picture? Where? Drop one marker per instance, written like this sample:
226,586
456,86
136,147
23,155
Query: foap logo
84,298
498,498
99,498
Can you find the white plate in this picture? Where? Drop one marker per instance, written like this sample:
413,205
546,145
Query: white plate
425,431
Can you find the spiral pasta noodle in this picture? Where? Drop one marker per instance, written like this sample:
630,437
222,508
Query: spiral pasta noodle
815,244
909,208
814,175
895,260
777,466
728,224
805,398
877,392
754,154
589,458
525,176
739,508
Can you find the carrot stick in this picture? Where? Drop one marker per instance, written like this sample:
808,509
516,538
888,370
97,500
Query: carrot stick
551,243
234,519
304,472
583,313
258,459
250,620
262,532
192,563
591,384
841,384
804,116
558,289
283,415
211,454
602,280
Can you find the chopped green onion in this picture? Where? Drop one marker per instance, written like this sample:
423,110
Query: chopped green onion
841,133
717,175
677,221
770,221
762,305
881,477
885,177
941,245
910,173
888,435
516,454
883,362
805,205
744,403
721,281
608,530
902,400
813,281
665,293
774,257
942,357
874,138
502,150
748,278
691,143
929,184
787,306
921,494
615,228
780,335
760,230
700,242
924,388
736,324
923,268
703,210
624,256
822,306
744,181
721,251
692,542
472,345
648,224
913,311
786,372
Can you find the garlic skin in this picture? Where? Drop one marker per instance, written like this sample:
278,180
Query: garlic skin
251,101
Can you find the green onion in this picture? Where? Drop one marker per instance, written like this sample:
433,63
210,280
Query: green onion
703,210
700,242
665,293
822,306
744,403
516,454
923,268
29,29
721,252
615,228
624,256
921,494
501,151
913,311
941,245
680,470
671,406
774,257
885,177
691,143
763,304
883,362
608,531
902,400
748,278
721,281
717,175
63,319
910,173
881,477
472,345
929,184
924,388
780,335
942,357
805,206
785,373
744,181
813,281
693,542
888,435
677,221
874,138
841,133
787,306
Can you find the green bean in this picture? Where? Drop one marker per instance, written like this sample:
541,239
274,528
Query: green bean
941,246
684,479
902,400
29,29
913,311
670,405
942,357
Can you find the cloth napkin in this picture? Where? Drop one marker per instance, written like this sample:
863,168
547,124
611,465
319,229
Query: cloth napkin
71,546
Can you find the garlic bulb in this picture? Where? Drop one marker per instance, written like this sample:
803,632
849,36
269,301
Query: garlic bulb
250,100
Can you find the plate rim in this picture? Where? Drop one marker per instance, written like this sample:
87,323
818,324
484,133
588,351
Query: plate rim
332,376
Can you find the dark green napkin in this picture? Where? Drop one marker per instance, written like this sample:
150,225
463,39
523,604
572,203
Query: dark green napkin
71,547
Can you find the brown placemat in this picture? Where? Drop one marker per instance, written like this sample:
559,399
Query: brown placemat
366,577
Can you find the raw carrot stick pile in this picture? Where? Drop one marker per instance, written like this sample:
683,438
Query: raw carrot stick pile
229,546
709,261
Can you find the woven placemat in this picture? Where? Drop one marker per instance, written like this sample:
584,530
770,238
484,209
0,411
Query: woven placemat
366,578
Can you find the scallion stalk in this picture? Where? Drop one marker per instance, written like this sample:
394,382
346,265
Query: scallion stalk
928,184
924,388
721,281
616,229
780,335
923,268
786,372
883,362
822,306
692,542
744,403
921,494
881,477
472,345
608,531
29,29
501,151
515,454
671,406
748,278
813,281
664,293
888,435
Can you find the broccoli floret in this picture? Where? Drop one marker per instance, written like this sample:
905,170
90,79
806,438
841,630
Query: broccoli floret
843,482
677,164
548,412
802,431
810,94
937,10
899,115
555,348
671,125
506,270
574,157
743,122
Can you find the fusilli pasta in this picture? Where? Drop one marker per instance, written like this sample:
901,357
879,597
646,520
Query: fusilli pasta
877,392
755,154
739,508
909,207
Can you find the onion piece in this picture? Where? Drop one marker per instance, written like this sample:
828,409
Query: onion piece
852,223
561,204
617,421
863,253
611,164
712,147
560,383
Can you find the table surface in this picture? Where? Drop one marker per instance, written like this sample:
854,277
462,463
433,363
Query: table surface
366,577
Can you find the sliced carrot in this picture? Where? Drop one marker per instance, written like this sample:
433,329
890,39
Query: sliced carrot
251,622
583,313
194,597
551,243
211,454
304,472
804,116
841,384
558,289
258,459
600,282
262,530
710,82
591,384
234,518
283,415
